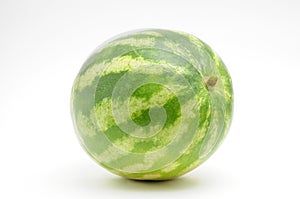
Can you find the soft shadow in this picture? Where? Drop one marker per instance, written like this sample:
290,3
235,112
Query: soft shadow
186,182
92,179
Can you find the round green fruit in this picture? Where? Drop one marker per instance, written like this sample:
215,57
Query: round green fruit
152,104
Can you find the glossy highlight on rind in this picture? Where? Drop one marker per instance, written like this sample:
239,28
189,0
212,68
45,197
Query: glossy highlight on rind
152,104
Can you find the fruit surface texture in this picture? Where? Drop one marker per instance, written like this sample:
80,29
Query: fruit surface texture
152,104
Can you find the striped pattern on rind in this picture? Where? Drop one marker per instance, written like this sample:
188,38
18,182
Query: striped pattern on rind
141,107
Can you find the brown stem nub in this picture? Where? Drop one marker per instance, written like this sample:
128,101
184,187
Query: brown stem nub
212,81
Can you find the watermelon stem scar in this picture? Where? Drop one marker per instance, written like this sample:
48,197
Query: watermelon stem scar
211,82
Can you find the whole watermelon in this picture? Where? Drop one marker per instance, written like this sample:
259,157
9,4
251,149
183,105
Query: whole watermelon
152,104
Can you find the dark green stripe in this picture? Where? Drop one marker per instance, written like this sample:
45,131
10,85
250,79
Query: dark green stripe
147,91
106,85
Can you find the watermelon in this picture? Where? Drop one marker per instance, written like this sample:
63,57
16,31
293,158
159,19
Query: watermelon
152,104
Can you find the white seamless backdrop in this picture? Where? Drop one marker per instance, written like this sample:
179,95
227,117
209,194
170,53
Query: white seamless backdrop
44,43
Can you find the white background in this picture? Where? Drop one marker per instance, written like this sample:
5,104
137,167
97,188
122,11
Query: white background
44,43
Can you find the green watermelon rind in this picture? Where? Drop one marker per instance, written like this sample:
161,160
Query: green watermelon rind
193,60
